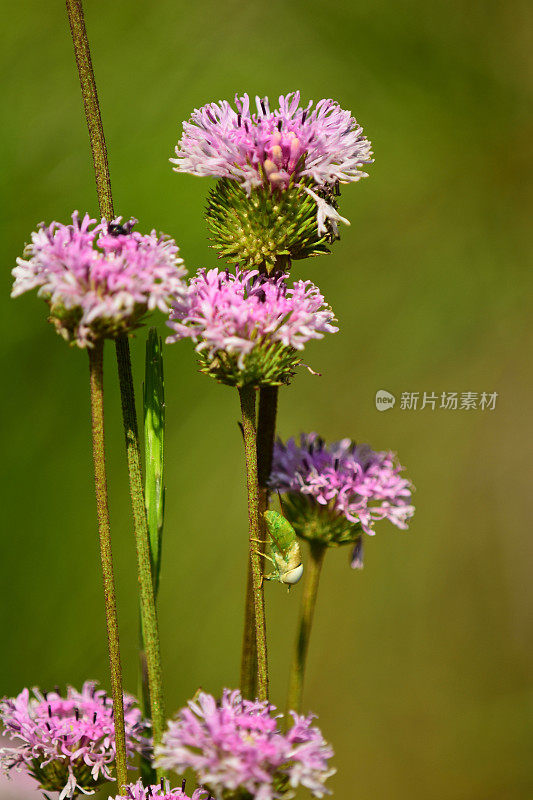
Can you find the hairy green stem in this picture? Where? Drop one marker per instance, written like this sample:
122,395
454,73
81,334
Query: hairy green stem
266,430
148,610
247,399
96,378
92,108
313,568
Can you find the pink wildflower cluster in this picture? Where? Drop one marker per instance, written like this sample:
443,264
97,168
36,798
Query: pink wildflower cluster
237,744
324,144
351,480
67,743
291,144
235,313
99,279
160,791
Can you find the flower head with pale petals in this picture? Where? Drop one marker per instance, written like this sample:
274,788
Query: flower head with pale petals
99,280
67,743
237,746
322,145
249,329
334,492
291,158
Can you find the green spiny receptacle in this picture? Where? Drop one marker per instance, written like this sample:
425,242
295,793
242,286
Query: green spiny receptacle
318,523
266,228
267,364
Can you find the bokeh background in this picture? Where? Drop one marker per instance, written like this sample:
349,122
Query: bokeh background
420,666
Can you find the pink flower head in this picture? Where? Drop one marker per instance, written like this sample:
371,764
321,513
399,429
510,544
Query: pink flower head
290,145
99,279
345,479
160,791
241,317
237,745
67,743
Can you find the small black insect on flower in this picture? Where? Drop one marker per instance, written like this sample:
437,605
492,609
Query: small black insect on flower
114,229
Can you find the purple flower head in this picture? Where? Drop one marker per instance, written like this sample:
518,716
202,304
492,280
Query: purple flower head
249,329
99,279
346,486
67,743
315,147
236,745
160,791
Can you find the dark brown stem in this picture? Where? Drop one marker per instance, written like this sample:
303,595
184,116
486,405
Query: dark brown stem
96,375
249,644
266,431
317,551
247,399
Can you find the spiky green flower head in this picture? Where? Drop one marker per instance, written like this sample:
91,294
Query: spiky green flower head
268,227
250,329
280,172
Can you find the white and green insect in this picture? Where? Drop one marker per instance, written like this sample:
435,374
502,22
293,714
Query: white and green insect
283,550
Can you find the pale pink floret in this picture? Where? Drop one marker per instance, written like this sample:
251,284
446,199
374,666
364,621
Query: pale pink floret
107,275
70,731
316,147
237,744
160,791
354,480
235,313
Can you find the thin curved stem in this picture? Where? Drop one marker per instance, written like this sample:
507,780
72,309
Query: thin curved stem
105,201
96,377
317,551
92,109
247,399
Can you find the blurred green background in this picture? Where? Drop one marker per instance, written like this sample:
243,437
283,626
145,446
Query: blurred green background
420,665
